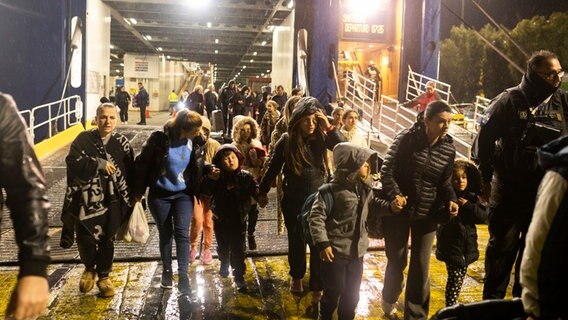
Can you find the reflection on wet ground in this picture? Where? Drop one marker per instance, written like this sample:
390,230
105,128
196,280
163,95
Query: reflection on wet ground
136,273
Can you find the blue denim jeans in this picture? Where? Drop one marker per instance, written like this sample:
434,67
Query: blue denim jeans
172,215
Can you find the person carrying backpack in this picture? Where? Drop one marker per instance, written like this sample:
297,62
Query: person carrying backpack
339,229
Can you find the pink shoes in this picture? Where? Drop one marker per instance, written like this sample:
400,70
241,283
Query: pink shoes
192,255
206,256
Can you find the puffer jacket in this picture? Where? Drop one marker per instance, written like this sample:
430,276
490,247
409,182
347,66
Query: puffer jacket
151,161
543,269
353,201
22,178
457,239
418,170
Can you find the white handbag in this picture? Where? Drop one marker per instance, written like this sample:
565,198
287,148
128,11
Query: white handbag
137,229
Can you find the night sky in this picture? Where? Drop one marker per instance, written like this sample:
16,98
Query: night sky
505,12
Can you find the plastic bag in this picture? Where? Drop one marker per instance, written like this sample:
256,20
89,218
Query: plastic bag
137,230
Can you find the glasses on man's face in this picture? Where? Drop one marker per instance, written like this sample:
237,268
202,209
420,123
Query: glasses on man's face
552,75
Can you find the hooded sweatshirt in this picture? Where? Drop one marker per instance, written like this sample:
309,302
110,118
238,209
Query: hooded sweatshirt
231,193
543,269
314,174
344,228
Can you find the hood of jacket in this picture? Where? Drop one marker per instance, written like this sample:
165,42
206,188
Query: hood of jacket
240,124
306,106
218,157
348,158
536,89
473,176
553,154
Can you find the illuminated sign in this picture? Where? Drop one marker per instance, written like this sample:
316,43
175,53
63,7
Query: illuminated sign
364,28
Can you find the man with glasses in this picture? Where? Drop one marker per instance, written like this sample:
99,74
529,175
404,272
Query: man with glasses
505,150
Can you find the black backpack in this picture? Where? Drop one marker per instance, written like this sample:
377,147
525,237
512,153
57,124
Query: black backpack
304,216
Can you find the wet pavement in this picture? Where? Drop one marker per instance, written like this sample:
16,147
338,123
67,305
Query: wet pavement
136,272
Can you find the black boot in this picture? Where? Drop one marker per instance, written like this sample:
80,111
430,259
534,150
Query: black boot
252,243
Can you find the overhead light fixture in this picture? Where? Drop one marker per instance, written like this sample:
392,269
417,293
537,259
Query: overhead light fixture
117,70
251,60
149,37
208,24
257,76
133,21
111,46
122,64
159,49
254,53
216,40
263,43
371,46
267,71
244,67
216,51
290,4
169,57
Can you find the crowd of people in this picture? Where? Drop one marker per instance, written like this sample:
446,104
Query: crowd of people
193,183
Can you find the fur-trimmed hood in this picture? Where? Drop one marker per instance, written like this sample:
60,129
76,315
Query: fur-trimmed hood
474,184
240,124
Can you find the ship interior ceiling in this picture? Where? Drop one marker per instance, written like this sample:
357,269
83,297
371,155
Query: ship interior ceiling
233,36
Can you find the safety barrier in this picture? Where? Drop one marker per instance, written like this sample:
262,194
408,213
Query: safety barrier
416,85
481,104
360,95
57,116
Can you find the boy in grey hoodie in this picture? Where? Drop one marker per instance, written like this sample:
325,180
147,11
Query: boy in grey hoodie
340,232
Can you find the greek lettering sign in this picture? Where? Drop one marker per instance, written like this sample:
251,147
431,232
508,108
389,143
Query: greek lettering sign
365,28
141,66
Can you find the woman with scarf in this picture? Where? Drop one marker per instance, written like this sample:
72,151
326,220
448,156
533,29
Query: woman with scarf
100,168
301,154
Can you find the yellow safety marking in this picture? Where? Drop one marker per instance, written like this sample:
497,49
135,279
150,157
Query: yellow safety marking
48,146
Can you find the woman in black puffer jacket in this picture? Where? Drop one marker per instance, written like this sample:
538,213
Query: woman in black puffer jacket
418,166
457,239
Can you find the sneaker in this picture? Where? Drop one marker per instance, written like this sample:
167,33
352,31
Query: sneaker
87,282
183,284
192,255
251,243
224,270
206,256
241,284
389,310
106,287
296,286
166,280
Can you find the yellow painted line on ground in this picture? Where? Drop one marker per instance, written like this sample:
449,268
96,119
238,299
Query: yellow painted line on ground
48,146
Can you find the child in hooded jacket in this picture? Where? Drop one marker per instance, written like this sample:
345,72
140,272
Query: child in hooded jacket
457,239
340,232
231,196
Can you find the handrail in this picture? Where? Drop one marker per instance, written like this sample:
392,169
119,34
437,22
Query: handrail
417,82
481,104
361,93
71,115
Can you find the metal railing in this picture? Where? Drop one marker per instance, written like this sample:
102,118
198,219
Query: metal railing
416,85
360,94
56,116
481,104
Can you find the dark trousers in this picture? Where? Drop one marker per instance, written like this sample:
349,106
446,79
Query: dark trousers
95,254
297,246
341,281
456,274
417,295
504,249
142,114
252,219
231,245
172,215
123,113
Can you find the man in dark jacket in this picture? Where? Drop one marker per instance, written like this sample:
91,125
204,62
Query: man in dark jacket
22,178
142,101
543,270
226,94
505,150
211,100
